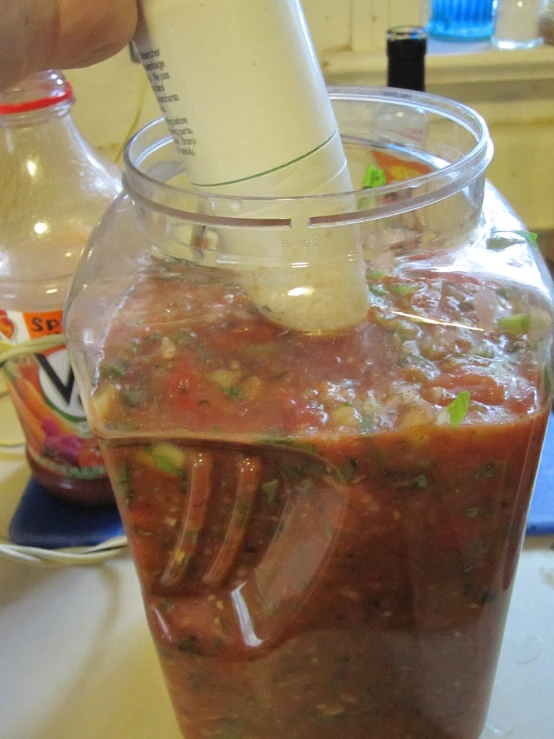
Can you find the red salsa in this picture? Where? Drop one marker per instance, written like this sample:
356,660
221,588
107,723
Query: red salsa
326,528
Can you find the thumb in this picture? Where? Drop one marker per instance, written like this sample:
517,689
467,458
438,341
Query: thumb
61,34
89,31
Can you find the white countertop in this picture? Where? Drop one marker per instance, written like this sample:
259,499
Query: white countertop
77,661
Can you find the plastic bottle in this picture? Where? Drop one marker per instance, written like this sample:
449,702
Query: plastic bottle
243,95
517,24
53,189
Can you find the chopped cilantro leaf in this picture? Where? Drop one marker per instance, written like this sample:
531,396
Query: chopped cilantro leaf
270,489
420,483
377,290
305,486
347,470
285,441
374,274
123,483
488,470
123,476
134,396
113,371
188,643
529,236
401,290
458,408
368,423
234,392
302,446
313,467
163,463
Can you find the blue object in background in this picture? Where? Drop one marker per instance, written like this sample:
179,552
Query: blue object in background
42,520
461,20
541,513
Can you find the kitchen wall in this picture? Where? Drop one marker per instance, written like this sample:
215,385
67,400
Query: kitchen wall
514,90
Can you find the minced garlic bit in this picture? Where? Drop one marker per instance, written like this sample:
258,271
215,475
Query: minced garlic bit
347,698
167,348
226,379
350,593
345,415
331,709
417,416
179,556
102,401
251,387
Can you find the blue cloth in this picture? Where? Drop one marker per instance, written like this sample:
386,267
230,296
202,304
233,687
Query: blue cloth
541,513
42,520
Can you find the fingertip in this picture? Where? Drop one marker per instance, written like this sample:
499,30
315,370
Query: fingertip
91,31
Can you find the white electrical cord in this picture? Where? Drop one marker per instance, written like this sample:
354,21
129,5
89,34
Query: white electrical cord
76,556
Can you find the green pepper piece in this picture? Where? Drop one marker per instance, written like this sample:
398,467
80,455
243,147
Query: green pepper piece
374,177
516,325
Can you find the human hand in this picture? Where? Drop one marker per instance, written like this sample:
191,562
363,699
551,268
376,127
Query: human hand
60,34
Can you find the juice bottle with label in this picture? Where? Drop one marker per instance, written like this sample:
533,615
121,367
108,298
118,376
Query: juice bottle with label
53,189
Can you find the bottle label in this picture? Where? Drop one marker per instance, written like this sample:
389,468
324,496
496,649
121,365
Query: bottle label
17,327
44,392
238,83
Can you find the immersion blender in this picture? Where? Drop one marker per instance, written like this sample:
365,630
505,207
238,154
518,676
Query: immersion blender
244,98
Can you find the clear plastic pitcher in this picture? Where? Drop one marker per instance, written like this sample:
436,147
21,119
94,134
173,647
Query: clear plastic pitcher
326,527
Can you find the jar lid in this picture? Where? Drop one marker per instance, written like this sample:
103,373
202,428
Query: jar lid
42,90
